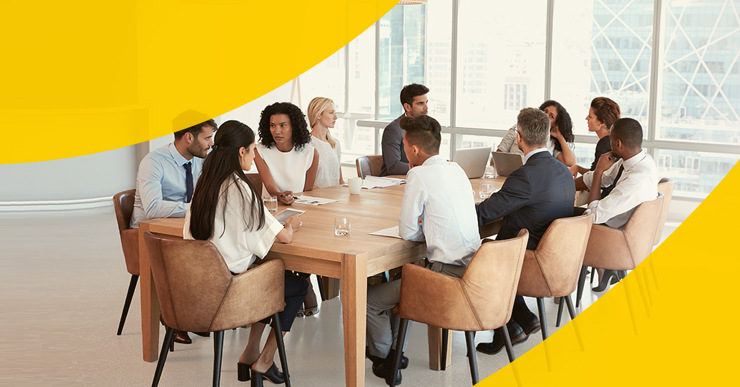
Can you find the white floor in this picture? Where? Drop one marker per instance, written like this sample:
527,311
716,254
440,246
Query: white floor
63,285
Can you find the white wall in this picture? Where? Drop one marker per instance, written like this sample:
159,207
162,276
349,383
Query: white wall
84,177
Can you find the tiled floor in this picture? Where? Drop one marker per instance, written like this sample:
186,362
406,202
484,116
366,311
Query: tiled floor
63,284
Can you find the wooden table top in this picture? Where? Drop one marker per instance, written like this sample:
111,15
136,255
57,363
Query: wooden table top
372,210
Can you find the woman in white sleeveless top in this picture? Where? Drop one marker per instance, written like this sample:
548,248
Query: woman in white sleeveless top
287,163
321,116
285,160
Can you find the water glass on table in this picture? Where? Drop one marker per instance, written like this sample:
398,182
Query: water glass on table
490,172
485,191
270,202
342,226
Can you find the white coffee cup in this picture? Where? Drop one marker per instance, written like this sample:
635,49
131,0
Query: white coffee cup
355,185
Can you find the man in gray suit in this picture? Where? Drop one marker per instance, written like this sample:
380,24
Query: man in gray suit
414,101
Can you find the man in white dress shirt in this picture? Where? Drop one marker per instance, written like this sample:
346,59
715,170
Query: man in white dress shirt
437,207
627,175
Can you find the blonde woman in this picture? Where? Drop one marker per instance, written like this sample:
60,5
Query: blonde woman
322,116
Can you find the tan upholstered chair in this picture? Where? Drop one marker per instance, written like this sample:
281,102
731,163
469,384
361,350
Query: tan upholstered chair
123,204
552,269
198,293
481,300
622,249
369,165
665,186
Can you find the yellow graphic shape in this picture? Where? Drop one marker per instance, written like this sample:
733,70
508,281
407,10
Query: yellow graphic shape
670,322
83,77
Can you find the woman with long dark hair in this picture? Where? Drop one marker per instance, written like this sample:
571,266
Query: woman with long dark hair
561,132
228,211
560,144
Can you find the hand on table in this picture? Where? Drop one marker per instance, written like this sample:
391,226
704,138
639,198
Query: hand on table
286,198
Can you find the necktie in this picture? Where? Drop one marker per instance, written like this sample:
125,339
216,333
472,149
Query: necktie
607,190
188,182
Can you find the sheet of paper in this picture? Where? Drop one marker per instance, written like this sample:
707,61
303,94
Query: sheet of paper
285,214
381,182
388,232
313,200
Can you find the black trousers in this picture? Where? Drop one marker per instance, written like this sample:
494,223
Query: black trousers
295,291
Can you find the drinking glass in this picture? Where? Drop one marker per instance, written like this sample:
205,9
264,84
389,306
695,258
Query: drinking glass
270,203
342,226
490,172
485,191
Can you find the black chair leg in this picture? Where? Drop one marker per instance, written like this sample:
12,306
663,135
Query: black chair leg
403,335
543,318
281,347
443,353
507,342
218,350
560,312
129,296
581,284
168,338
470,340
571,309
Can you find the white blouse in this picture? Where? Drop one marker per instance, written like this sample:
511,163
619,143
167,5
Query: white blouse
508,144
238,246
288,169
329,162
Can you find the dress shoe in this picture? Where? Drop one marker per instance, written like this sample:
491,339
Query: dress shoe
203,334
272,375
532,325
516,334
384,370
182,337
391,355
605,280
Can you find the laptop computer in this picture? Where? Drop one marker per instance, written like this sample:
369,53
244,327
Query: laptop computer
473,161
506,163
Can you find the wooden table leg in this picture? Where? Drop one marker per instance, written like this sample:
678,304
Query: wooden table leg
354,307
149,302
435,348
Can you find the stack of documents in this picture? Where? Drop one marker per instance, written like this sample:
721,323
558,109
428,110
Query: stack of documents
304,199
381,182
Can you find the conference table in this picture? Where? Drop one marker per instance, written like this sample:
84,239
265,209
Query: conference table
316,250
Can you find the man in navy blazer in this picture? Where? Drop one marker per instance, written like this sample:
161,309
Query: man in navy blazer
533,196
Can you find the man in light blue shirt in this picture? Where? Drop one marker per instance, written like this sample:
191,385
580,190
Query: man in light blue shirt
163,187
167,177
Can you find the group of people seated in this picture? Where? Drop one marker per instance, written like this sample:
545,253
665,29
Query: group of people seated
297,153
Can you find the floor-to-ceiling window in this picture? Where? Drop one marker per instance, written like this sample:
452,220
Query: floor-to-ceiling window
670,64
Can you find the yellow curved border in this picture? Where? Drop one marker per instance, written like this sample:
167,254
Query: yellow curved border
670,322
84,77
88,76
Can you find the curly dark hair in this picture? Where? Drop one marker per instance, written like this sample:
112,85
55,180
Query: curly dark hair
565,124
300,136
